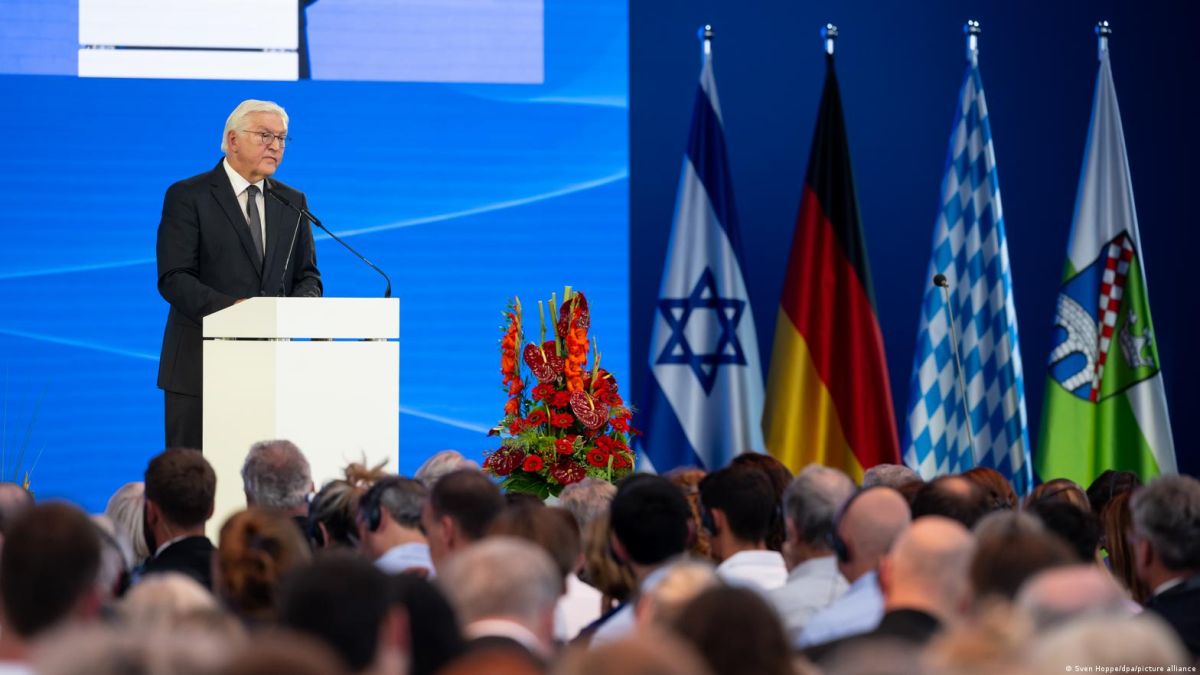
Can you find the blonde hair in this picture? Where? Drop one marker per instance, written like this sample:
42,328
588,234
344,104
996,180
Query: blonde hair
235,119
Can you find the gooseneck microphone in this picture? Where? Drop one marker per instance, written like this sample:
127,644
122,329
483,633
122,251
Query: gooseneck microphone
304,213
940,281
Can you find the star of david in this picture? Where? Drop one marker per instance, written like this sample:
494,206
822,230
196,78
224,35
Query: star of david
728,313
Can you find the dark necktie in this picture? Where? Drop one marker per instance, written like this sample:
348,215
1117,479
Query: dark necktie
254,221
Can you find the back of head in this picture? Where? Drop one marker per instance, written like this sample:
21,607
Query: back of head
48,565
1166,512
1109,644
331,515
501,577
780,477
276,475
1078,528
257,548
998,492
283,653
673,589
399,497
687,479
1011,547
930,560
647,652
601,569
1108,485
436,638
649,516
440,464
15,500
551,529
812,500
1059,489
469,498
1061,594
341,599
953,497
868,526
889,475
163,601
125,509
761,647
1117,526
181,483
745,496
587,499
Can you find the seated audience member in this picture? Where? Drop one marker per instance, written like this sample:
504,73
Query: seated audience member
953,497
864,532
1108,485
434,635
601,570
924,584
649,652
649,519
276,476
258,547
389,526
814,582
1011,547
504,591
180,485
1060,594
284,653
554,531
440,464
108,649
687,479
587,499
48,569
343,601
1077,527
163,602
333,511
780,477
998,492
739,511
1060,489
126,510
1108,644
710,622
1166,524
14,501
458,512
679,584
889,475
1117,541
112,579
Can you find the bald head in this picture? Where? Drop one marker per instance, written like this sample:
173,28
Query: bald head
927,567
869,525
1060,594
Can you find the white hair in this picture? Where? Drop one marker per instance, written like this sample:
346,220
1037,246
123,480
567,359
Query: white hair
245,108
440,464
164,600
502,577
124,509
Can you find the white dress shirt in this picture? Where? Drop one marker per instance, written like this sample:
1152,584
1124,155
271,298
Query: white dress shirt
623,621
576,609
405,557
239,188
812,586
759,570
857,611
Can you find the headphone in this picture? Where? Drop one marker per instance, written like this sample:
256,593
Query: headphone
371,506
835,541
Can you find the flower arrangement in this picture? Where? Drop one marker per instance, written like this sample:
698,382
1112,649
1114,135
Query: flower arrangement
572,423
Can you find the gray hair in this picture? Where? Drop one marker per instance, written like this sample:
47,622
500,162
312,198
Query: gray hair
238,116
1166,512
276,475
1108,642
440,464
125,509
891,475
502,576
812,500
587,499
402,498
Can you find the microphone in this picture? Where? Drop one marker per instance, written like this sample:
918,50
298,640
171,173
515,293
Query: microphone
304,213
940,281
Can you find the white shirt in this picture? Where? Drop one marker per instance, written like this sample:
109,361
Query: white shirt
857,611
812,586
576,609
405,557
623,621
239,188
759,570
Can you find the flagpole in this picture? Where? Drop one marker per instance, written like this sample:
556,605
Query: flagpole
1103,31
829,33
972,30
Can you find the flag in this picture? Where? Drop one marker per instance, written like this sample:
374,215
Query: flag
828,397
1105,407
705,403
970,249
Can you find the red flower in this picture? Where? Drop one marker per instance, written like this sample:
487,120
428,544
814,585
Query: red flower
598,459
565,445
620,461
515,427
543,391
562,399
620,423
504,461
533,464
562,420
610,445
512,406
610,397
536,418
567,472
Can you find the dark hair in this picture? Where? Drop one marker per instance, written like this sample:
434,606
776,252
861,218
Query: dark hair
747,498
181,483
780,477
257,547
954,497
1077,528
998,492
14,501
761,648
341,599
552,529
1109,484
649,516
1061,489
1010,548
50,560
433,627
469,498
278,652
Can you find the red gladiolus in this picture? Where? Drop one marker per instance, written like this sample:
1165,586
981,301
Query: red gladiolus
533,464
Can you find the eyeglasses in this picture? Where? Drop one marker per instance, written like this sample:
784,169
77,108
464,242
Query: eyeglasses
265,137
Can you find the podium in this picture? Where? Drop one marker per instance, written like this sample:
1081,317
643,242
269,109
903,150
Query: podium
320,372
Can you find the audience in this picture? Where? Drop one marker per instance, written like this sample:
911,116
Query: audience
954,497
1011,547
112,579
601,569
389,526
1108,644
440,464
713,617
587,499
434,634
1080,529
14,501
678,585
276,476
1116,539
126,510
1060,594
458,512
164,602
739,511
1059,489
1166,525
180,485
687,479
889,475
649,652
258,547
998,492
1109,485
780,477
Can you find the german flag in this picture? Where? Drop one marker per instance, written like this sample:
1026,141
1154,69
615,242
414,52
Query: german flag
828,397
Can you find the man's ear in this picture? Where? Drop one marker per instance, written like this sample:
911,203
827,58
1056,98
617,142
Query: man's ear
618,549
720,521
451,534
885,574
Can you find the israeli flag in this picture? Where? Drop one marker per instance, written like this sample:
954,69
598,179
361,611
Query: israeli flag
706,393
970,248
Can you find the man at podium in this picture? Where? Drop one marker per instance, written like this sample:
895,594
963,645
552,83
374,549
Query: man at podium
222,239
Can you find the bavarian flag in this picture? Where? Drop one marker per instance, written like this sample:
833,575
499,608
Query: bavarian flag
828,398
1105,406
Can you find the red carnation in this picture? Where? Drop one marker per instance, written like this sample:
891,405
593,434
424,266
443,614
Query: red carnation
567,472
565,445
533,464
504,461
562,420
597,458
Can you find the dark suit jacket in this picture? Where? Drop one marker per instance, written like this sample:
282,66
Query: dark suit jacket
206,261
905,625
1180,607
191,556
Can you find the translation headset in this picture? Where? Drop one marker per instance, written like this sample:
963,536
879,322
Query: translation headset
833,538
371,506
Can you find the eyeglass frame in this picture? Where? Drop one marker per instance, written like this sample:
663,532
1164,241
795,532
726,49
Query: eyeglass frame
264,135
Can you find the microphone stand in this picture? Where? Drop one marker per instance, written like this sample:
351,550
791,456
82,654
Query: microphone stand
940,281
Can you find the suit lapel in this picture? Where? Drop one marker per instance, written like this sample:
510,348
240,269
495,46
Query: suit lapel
276,241
222,192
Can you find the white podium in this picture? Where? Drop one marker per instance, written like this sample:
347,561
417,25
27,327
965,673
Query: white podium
320,372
